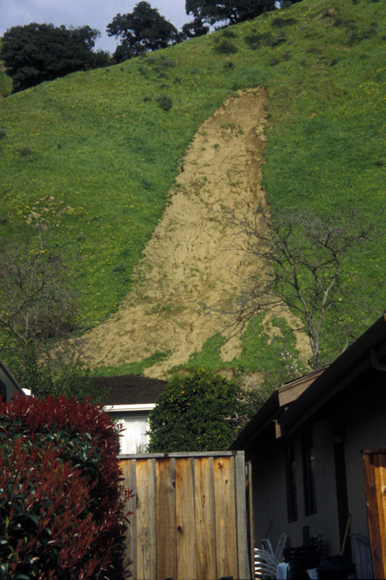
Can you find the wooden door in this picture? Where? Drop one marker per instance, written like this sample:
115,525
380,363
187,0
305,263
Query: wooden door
375,479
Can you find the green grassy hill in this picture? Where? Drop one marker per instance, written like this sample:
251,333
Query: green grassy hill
95,154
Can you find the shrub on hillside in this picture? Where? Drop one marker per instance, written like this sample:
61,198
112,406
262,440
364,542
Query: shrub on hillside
61,501
280,22
255,39
225,47
165,102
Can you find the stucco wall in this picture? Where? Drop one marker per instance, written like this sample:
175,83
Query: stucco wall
270,499
325,521
269,494
362,423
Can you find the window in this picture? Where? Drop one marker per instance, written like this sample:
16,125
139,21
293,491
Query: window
292,508
309,472
3,391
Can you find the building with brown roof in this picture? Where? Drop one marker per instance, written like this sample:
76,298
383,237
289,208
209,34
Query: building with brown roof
128,399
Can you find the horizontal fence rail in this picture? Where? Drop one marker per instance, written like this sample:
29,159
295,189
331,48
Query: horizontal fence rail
190,516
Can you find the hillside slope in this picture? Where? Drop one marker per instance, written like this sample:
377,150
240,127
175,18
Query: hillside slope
90,159
192,257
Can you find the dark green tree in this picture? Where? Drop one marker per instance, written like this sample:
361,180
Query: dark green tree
142,30
85,36
42,52
193,29
228,11
199,412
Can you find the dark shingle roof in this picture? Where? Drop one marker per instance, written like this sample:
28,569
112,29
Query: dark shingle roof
128,389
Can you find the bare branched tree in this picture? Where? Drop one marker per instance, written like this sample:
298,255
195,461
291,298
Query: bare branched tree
35,300
38,316
301,262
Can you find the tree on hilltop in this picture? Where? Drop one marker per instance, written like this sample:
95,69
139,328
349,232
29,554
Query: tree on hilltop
42,52
230,11
142,30
193,29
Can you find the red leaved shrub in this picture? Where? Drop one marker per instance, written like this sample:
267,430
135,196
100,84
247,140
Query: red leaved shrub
61,501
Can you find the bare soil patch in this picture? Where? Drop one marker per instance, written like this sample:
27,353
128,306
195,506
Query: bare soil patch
190,259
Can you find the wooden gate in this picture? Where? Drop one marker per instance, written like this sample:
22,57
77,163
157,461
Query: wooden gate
190,516
375,478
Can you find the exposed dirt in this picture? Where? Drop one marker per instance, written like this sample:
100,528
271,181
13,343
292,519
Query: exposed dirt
191,259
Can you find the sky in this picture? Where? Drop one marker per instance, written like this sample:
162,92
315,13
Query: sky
96,13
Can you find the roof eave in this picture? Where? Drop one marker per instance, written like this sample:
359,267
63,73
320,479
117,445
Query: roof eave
361,356
12,378
259,423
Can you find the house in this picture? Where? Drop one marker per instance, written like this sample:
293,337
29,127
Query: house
8,384
129,399
318,453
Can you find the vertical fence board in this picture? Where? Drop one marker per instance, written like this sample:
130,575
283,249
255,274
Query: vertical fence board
130,555
146,520
185,520
382,505
205,518
250,531
242,538
226,530
375,519
190,518
166,519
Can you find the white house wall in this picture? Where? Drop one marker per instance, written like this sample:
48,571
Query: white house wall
133,438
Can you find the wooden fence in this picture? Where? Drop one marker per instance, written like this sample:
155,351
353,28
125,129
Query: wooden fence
190,518
375,478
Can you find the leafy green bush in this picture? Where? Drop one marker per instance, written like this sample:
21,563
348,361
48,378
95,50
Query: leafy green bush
198,412
228,33
166,62
255,39
280,22
61,503
25,151
165,102
225,47
274,41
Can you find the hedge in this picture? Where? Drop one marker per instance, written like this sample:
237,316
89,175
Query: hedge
62,505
